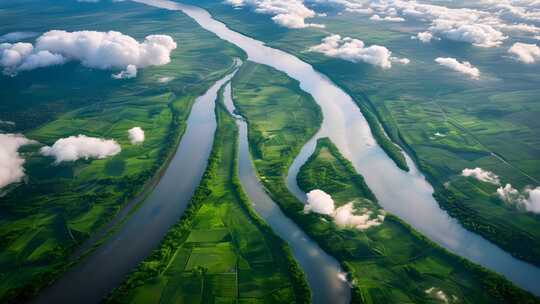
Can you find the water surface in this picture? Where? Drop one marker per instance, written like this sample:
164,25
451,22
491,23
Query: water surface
323,273
406,194
106,268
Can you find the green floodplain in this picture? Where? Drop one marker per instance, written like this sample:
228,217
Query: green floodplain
390,263
444,121
45,219
220,251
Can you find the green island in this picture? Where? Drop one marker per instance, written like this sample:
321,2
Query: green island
393,253
221,251
392,263
44,220
444,121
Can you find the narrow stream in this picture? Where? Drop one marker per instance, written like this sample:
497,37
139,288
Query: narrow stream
405,194
106,267
323,272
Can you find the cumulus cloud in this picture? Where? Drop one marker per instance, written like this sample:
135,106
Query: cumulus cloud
478,27
22,56
524,52
529,199
129,72
11,163
320,202
424,37
287,13
136,135
101,50
354,50
386,18
482,175
76,147
17,36
464,67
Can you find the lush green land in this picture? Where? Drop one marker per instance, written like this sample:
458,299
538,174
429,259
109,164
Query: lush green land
45,219
392,263
220,251
496,114
395,264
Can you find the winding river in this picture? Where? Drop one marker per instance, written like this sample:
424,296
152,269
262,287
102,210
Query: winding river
406,194
323,273
106,267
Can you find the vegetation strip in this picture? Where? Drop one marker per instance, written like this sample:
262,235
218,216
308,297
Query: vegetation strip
44,221
220,249
409,266
265,112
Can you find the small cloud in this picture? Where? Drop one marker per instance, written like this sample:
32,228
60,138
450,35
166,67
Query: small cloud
354,50
17,36
320,202
525,52
129,72
482,175
464,67
11,163
424,37
386,18
528,200
291,13
81,147
136,135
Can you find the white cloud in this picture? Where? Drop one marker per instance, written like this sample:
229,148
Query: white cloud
386,18
345,216
477,27
17,36
528,200
11,163
464,67
482,175
524,52
424,37
320,202
355,50
287,13
22,56
136,135
102,50
76,147
129,72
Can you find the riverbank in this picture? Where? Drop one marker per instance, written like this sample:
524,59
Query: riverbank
390,253
220,249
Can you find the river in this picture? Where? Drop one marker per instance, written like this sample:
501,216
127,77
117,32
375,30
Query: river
106,267
323,273
405,194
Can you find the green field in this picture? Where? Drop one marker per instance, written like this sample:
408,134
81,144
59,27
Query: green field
220,251
43,220
389,264
496,114
392,263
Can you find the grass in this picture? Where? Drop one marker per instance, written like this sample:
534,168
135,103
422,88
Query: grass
392,254
220,251
389,263
43,220
496,114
